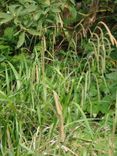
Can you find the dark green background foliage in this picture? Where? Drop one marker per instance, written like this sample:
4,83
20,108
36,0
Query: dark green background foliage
32,19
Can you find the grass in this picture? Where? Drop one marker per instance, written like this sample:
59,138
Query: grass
59,106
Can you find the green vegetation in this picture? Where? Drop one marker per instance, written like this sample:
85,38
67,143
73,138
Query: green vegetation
58,78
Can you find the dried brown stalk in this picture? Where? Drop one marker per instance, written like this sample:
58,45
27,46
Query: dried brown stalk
60,116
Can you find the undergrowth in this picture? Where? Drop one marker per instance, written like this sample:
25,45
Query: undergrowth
58,91
85,89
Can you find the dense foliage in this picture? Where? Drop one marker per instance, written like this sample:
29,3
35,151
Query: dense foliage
58,77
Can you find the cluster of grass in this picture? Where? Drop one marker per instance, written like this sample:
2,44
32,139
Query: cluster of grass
59,105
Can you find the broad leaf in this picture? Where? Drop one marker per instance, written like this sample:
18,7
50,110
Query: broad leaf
4,18
21,39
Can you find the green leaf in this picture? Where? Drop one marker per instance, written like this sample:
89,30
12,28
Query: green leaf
8,33
21,39
112,76
17,76
34,32
29,9
113,53
12,9
4,18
